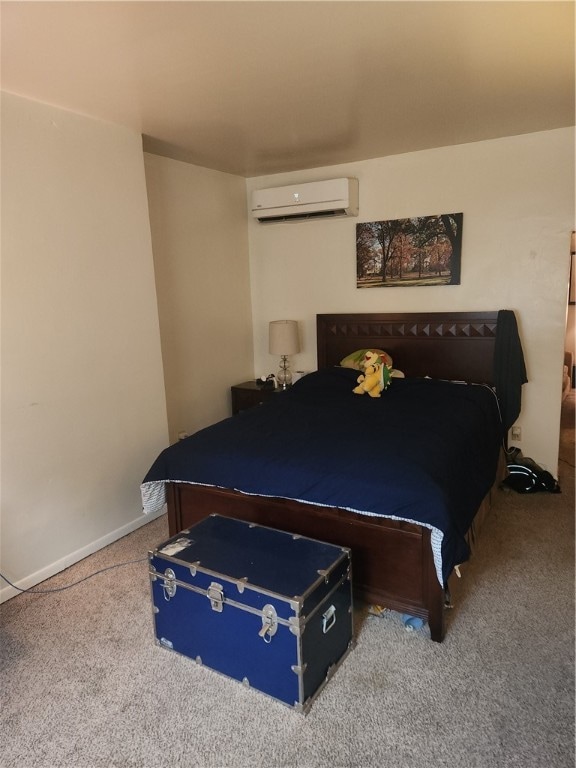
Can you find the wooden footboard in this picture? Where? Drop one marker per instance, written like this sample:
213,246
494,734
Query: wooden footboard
392,561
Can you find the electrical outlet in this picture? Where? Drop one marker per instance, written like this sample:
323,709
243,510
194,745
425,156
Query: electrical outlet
516,432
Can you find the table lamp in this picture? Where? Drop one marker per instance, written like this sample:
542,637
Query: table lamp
283,341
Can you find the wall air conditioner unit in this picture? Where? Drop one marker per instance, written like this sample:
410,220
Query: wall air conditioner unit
315,199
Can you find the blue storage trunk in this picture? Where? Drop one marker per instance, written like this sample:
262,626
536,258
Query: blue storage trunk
268,608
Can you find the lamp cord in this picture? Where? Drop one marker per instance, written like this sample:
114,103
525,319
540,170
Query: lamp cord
74,583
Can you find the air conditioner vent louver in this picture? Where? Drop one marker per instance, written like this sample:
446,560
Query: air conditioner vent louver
315,199
303,216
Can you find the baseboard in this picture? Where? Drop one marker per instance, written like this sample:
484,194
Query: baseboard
6,592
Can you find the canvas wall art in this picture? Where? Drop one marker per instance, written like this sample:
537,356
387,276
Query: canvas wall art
421,251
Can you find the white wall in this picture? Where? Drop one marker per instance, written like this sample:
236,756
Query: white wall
83,407
200,243
517,196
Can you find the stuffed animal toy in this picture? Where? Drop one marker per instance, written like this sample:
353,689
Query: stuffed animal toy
375,378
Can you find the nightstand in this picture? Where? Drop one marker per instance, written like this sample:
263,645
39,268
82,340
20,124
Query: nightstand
248,394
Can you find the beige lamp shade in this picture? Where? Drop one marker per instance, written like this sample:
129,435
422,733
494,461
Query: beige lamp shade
283,337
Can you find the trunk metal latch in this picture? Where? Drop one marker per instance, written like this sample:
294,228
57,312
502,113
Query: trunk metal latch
215,593
169,584
269,623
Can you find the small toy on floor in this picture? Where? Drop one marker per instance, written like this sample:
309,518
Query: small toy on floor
411,623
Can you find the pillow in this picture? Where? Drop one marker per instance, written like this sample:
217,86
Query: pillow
354,359
327,379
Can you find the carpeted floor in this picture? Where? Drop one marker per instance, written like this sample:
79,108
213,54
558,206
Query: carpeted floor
85,686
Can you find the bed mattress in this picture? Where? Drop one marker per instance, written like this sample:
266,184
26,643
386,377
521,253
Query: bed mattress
426,452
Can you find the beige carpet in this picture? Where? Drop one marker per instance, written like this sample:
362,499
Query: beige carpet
85,686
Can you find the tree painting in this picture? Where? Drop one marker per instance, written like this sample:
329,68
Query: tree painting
425,250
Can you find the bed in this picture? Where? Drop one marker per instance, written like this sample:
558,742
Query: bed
311,462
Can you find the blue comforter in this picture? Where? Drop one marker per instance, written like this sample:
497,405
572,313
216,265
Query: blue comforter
426,451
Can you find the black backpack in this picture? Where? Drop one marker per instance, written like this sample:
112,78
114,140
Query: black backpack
525,476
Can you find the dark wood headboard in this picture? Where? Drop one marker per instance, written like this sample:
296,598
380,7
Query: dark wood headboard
451,345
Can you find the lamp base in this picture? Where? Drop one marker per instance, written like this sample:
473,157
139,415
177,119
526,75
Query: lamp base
284,375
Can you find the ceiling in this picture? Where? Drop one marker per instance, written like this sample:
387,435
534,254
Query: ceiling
254,88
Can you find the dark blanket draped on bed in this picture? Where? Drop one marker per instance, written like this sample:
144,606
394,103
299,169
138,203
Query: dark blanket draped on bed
509,368
425,451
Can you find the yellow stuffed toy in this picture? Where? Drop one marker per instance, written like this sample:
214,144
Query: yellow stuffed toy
375,378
